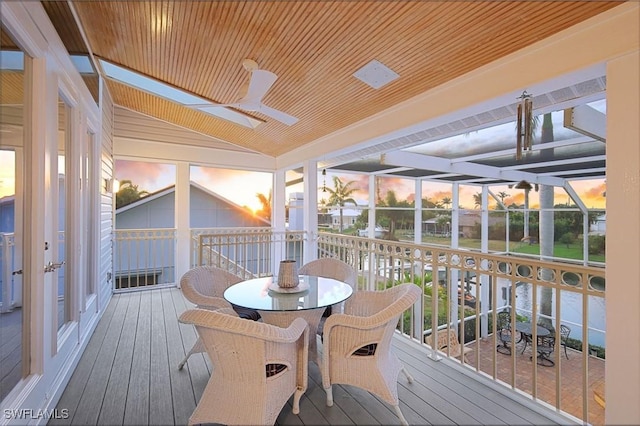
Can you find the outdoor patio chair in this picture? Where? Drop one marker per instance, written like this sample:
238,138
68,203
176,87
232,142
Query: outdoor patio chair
545,347
448,343
330,268
564,337
503,327
258,367
204,286
357,343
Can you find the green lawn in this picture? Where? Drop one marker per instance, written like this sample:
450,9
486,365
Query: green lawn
574,251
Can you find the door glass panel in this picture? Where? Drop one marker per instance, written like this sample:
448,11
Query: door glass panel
89,218
12,321
63,308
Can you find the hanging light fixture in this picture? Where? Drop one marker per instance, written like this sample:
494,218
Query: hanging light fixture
324,180
524,124
523,184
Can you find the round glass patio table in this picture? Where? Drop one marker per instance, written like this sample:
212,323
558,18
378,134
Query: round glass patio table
308,301
311,293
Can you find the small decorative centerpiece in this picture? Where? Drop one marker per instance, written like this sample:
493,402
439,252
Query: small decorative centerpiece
288,274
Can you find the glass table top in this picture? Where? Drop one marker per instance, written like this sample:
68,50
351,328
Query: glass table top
311,293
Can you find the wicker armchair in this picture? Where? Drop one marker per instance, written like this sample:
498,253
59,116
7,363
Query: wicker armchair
258,367
357,343
204,286
330,268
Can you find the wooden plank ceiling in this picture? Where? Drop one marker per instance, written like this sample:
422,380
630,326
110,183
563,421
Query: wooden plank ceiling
314,47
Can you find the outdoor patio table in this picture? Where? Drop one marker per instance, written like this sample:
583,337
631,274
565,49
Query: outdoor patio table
281,306
526,330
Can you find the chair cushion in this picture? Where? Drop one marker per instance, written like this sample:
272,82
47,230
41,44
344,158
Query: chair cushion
367,350
246,313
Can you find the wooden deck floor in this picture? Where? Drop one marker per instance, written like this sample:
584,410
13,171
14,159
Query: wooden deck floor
128,375
10,350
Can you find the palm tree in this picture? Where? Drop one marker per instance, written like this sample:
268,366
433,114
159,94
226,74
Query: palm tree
265,209
477,200
128,193
395,216
341,194
502,195
446,202
546,227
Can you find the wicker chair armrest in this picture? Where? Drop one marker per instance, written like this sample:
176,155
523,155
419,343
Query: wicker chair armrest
227,311
234,324
213,303
352,321
201,300
367,303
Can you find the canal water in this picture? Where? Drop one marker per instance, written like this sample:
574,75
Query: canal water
571,310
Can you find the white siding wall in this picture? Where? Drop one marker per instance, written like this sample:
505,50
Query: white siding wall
105,284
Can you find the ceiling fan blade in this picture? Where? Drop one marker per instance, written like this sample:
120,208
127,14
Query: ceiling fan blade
282,117
260,83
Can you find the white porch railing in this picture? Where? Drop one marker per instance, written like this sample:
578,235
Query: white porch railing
144,258
247,252
10,276
488,283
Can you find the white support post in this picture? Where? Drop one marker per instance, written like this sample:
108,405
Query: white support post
622,377
371,231
454,273
182,204
484,279
278,217
454,229
310,208
417,216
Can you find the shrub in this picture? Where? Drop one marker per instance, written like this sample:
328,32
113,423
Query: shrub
597,244
567,238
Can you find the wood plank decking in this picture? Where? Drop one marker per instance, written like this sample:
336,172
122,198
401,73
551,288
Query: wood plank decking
128,375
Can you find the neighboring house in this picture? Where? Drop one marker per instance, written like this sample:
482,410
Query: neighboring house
349,217
208,210
467,223
469,220
600,225
140,262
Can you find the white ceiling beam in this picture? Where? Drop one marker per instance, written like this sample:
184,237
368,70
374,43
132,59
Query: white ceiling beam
577,171
427,162
535,147
389,171
586,120
576,160
478,181
443,175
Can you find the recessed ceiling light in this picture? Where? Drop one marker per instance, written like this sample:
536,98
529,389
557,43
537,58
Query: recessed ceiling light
376,74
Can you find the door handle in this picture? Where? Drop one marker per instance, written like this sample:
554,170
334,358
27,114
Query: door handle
50,267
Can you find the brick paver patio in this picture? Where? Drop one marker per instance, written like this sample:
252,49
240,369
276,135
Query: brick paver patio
569,375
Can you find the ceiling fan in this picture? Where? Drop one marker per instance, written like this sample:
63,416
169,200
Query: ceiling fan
259,84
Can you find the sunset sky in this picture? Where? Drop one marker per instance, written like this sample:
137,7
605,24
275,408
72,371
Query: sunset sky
241,187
